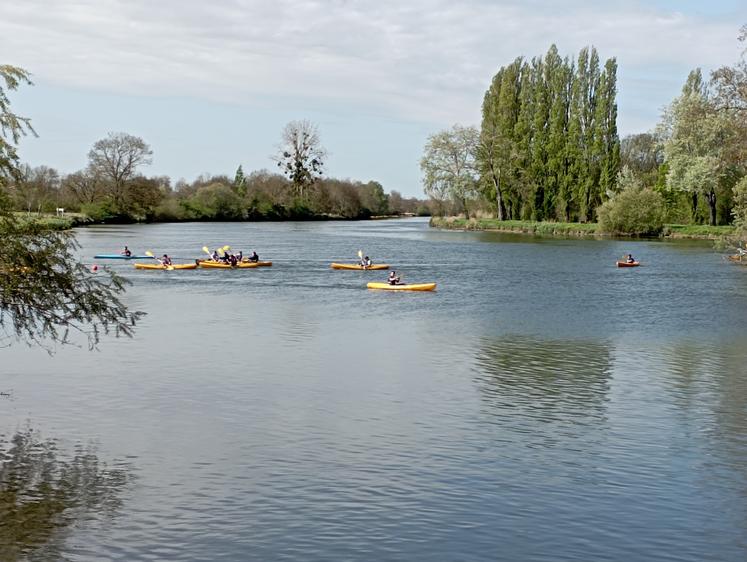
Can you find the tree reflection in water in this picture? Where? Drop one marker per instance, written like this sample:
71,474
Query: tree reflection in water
45,493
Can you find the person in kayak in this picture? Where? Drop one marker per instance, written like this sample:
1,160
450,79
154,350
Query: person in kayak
215,256
166,260
393,278
126,252
254,257
233,260
366,262
630,259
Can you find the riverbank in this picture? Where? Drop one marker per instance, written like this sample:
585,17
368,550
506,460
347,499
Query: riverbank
571,229
72,220
56,222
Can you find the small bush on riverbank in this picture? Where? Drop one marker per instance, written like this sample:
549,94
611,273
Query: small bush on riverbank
634,211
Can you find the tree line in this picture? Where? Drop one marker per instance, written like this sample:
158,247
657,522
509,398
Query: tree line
548,149
112,187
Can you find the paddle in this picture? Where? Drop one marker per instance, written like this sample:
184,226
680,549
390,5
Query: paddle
168,267
360,258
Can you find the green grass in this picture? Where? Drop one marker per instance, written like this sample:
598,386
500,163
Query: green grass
528,227
697,230
548,228
54,222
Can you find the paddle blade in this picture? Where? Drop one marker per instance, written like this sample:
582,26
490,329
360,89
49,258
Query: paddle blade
149,253
205,249
360,254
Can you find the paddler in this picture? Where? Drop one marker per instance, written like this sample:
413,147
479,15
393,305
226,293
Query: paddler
126,252
393,278
254,257
630,259
166,260
366,262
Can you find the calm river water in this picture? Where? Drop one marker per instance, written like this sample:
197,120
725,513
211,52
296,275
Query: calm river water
542,405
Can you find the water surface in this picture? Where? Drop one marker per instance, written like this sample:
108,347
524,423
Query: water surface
540,405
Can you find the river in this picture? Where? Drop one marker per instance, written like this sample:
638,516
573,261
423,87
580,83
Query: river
541,405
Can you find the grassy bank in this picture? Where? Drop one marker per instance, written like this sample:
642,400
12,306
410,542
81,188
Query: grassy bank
53,222
572,229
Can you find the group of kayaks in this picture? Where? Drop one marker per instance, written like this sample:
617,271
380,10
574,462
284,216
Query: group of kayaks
247,264
207,264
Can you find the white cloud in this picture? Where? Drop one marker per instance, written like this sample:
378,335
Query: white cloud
428,60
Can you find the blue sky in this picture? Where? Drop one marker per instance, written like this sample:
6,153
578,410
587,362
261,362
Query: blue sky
210,85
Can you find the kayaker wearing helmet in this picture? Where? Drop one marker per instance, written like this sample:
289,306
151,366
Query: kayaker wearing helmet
393,278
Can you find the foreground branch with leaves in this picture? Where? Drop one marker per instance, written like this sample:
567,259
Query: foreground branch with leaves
46,294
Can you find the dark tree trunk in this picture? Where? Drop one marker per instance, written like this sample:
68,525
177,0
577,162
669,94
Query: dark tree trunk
711,197
694,203
499,201
464,206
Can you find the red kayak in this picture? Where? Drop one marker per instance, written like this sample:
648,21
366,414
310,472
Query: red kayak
628,264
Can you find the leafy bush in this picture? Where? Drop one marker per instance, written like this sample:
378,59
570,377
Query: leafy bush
740,205
636,211
101,211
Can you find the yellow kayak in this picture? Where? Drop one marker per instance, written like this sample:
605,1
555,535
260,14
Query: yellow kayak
258,263
221,265
403,287
165,267
359,266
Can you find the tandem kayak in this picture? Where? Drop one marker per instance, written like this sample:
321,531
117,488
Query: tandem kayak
220,265
258,263
120,257
165,267
628,264
359,266
403,287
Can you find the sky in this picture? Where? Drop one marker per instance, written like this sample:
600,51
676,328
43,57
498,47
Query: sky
210,85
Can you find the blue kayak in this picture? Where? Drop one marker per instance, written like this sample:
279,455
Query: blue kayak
120,257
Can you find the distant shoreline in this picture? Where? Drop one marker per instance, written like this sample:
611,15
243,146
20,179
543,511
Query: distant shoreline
74,220
573,230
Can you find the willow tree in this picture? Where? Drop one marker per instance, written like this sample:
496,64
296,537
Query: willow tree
449,167
46,294
698,136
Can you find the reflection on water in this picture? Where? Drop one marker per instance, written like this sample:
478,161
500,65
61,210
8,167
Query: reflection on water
542,405
43,495
550,380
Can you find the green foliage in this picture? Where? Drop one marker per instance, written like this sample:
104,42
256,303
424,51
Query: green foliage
699,148
740,205
448,165
548,146
216,201
45,293
101,211
12,126
239,182
636,211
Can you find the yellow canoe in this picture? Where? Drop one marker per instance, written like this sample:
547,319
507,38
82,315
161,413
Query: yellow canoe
220,265
165,267
359,266
258,263
403,287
